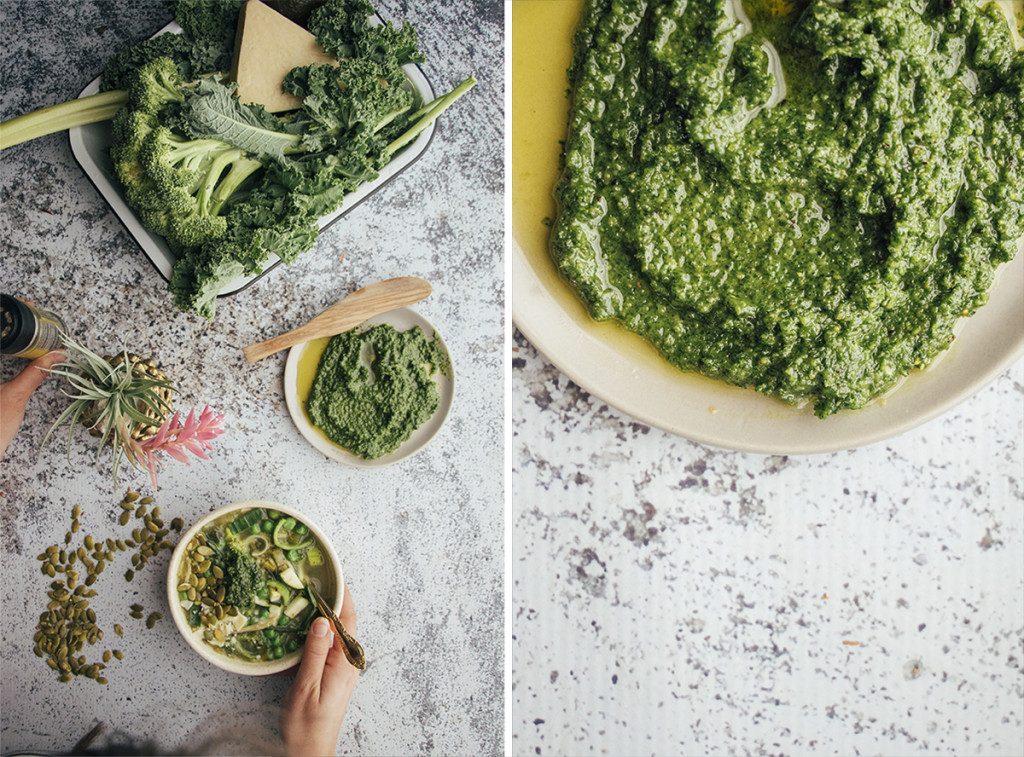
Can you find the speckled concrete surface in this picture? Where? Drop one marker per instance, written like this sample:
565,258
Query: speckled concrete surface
421,541
674,599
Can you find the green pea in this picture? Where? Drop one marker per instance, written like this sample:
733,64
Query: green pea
268,526
293,555
291,645
273,514
300,528
263,592
285,620
254,528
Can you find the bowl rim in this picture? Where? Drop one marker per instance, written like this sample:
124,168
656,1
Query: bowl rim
178,615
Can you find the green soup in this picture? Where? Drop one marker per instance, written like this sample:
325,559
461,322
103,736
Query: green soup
242,583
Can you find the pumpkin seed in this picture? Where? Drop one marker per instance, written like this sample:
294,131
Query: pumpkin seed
129,574
118,630
106,656
131,496
118,654
123,520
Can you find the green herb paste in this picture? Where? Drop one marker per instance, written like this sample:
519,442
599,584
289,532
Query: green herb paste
373,388
802,198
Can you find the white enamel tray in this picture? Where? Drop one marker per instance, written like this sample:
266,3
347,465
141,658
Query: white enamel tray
91,147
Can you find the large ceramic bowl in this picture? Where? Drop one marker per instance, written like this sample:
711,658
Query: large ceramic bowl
332,591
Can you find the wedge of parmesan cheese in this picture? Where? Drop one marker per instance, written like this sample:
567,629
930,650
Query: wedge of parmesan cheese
267,47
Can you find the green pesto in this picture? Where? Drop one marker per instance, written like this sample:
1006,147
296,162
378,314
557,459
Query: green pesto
373,388
803,204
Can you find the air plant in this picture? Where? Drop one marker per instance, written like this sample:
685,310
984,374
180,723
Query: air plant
125,401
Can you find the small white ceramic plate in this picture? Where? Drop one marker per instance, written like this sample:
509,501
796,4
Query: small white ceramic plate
91,147
296,390
334,592
627,372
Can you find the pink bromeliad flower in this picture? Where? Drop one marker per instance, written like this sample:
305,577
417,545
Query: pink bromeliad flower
175,439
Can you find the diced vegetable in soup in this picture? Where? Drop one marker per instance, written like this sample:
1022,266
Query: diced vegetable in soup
242,583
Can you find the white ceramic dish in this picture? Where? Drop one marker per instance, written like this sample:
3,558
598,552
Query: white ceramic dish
91,145
627,372
296,390
333,593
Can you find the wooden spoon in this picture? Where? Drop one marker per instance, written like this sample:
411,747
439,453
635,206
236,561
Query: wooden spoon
347,313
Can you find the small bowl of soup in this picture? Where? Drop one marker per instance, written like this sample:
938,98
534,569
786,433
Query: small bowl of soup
238,583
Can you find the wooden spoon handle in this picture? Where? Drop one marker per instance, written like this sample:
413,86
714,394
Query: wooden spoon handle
346,314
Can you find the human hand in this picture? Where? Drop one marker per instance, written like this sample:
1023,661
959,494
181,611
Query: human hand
315,704
14,395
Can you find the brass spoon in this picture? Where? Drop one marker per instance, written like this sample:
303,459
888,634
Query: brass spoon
353,651
346,314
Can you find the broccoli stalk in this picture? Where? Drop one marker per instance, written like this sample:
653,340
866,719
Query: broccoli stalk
155,86
39,123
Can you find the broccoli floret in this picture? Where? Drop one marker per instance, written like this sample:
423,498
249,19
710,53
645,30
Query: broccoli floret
155,85
209,169
177,185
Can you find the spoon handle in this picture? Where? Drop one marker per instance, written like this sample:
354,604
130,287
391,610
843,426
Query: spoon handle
346,314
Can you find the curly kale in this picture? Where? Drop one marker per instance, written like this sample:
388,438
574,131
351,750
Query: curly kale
343,28
206,44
